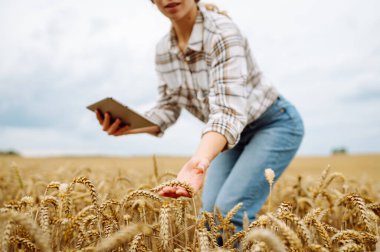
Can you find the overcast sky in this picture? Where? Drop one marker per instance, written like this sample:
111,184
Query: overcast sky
57,57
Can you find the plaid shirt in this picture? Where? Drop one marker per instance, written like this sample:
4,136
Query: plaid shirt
216,79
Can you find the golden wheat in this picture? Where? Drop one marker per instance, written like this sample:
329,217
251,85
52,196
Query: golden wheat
106,214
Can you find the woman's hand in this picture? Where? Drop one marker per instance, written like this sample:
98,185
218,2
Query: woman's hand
192,173
114,128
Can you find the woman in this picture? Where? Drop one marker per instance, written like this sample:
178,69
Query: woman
204,64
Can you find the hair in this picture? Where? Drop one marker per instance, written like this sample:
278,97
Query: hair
197,1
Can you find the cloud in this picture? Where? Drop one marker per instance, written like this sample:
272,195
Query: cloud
59,57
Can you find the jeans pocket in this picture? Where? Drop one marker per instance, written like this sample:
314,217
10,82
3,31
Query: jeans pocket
275,111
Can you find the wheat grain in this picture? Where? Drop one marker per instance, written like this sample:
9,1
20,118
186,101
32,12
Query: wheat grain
204,244
175,183
123,236
164,224
301,228
273,242
140,193
317,248
231,214
23,242
288,234
6,236
85,181
351,247
356,201
74,222
236,237
269,176
41,238
135,244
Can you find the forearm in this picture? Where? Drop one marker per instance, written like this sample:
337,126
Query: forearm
150,130
211,145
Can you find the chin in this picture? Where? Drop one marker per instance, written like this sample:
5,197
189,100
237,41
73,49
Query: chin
175,17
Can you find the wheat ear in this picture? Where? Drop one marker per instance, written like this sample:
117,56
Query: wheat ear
289,235
175,183
351,247
164,224
25,242
321,182
231,214
269,176
123,236
301,228
94,195
6,236
231,241
317,248
41,238
204,243
268,237
358,202
141,193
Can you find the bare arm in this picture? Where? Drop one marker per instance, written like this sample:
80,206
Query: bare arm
115,129
211,145
193,172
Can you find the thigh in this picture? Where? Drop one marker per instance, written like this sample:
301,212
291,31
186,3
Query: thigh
217,174
271,146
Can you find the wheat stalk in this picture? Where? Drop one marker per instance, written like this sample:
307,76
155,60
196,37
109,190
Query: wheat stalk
41,238
356,201
272,241
289,235
25,242
123,236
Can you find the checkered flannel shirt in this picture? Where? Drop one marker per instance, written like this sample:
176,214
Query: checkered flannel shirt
216,79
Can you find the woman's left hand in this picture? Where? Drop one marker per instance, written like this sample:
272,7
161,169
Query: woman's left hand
192,173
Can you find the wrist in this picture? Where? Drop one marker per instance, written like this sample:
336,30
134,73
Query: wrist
201,162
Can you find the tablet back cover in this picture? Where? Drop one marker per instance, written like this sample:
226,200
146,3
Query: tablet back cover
118,110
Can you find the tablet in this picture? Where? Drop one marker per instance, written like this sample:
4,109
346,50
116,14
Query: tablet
118,110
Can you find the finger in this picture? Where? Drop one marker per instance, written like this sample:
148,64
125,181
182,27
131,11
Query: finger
114,127
171,195
182,192
99,116
122,131
169,189
106,122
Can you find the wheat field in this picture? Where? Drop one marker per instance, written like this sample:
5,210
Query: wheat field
111,204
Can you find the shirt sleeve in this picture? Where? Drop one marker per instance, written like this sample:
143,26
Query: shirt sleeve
166,112
227,97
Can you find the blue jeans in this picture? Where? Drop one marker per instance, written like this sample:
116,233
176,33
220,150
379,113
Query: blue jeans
237,175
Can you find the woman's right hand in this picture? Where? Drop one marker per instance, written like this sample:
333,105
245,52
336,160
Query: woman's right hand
114,128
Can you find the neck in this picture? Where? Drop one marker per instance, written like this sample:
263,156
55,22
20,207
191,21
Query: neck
184,27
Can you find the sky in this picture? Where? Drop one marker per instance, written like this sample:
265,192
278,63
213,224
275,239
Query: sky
57,57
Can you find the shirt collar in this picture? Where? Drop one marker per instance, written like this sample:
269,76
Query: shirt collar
196,38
